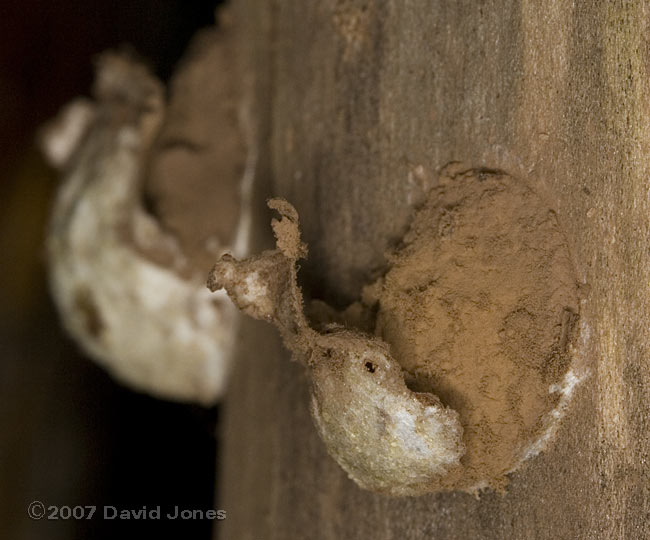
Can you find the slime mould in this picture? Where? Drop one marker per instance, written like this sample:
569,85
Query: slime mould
386,437
467,364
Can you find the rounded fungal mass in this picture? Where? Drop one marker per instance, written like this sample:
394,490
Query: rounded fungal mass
122,283
464,368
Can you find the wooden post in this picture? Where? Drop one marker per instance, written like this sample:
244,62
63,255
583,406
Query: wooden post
356,107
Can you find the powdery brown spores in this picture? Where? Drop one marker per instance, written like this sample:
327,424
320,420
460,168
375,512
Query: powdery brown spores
466,374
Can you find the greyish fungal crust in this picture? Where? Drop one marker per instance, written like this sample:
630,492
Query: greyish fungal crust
386,437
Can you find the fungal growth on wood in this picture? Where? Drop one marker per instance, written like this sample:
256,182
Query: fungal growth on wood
465,367
385,436
124,279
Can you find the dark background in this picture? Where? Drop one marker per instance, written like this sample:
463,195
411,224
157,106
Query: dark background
68,434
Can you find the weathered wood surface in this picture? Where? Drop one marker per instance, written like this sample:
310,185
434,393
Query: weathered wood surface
356,106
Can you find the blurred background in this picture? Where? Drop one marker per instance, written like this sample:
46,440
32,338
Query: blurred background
69,435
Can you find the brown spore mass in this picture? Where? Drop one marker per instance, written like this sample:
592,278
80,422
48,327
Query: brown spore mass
478,307
192,182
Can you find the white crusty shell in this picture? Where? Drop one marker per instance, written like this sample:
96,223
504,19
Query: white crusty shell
152,329
386,437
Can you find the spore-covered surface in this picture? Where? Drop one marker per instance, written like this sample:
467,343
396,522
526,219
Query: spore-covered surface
477,308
